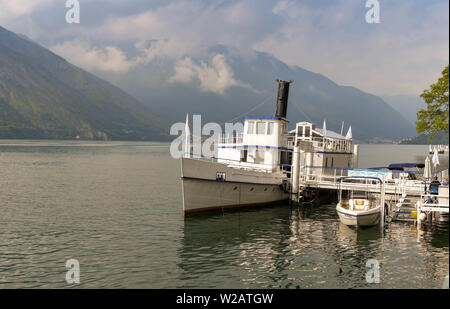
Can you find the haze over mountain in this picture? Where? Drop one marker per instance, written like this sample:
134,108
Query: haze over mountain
44,96
224,84
408,106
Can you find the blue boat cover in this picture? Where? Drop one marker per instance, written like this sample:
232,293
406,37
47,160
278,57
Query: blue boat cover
397,165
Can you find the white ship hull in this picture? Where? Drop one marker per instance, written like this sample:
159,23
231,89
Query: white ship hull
204,191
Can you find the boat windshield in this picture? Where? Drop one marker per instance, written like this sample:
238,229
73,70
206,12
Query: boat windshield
358,195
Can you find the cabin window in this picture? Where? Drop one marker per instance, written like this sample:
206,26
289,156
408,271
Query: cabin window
300,131
284,128
332,162
285,157
270,128
326,162
250,127
307,132
261,128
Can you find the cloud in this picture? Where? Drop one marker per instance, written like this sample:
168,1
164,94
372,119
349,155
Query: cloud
111,58
190,27
16,15
162,49
11,9
215,77
401,55
108,58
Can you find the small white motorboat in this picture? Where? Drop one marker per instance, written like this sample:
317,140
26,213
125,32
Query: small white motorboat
359,207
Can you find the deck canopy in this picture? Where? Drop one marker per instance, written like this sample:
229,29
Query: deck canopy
405,165
398,166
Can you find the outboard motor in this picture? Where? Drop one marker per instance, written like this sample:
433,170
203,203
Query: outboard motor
282,100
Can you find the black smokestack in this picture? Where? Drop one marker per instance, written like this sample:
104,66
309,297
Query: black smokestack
282,100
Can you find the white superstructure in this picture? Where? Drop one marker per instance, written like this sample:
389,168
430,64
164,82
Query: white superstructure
263,145
322,151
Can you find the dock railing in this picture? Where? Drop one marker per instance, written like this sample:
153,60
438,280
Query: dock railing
434,203
330,180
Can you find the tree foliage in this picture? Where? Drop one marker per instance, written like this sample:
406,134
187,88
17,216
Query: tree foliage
434,118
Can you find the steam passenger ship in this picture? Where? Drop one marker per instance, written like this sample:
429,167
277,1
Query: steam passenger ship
263,165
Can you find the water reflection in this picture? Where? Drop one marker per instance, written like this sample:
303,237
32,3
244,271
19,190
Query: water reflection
304,247
233,244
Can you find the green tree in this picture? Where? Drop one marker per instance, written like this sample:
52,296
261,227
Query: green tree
434,118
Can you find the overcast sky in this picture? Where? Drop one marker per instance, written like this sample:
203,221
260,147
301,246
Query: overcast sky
402,55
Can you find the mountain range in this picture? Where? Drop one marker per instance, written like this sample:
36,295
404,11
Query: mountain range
44,96
252,91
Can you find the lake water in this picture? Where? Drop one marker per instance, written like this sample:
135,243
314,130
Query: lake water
116,208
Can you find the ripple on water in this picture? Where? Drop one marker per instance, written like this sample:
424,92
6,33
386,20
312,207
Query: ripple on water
116,207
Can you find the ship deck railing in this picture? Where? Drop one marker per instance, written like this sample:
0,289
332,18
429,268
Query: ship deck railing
325,143
268,168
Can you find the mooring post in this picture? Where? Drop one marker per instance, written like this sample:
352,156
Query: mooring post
355,156
295,169
418,212
383,214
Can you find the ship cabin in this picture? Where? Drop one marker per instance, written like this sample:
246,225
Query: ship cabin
262,146
266,144
323,152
